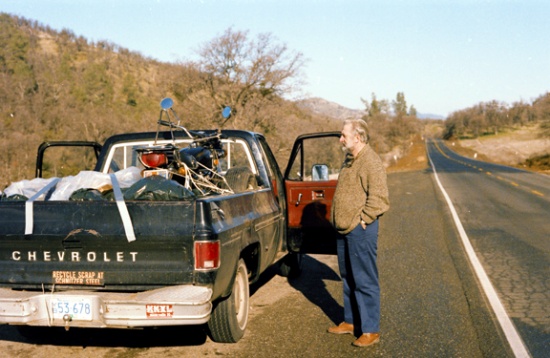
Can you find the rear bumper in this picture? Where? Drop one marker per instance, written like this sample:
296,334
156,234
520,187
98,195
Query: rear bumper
169,306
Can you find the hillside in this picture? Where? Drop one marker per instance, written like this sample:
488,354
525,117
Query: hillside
57,86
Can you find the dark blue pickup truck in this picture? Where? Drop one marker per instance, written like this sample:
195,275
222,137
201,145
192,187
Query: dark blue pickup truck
165,250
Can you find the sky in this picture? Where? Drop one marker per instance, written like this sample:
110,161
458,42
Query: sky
444,55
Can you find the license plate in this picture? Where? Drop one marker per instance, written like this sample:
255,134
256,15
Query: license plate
75,307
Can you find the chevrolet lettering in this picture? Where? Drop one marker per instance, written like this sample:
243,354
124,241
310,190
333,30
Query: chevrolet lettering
74,256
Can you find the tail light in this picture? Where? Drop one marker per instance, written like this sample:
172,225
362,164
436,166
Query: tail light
154,160
207,255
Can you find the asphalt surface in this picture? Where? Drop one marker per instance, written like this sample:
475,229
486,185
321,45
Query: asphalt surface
506,216
432,305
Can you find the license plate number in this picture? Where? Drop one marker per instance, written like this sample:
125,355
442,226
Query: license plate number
77,308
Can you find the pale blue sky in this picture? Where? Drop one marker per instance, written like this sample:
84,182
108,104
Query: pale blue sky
444,55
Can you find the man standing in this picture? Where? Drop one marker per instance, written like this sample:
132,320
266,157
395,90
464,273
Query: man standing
361,197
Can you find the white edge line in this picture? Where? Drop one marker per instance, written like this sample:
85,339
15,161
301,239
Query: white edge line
514,339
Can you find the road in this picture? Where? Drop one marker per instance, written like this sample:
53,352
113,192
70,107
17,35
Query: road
506,215
432,304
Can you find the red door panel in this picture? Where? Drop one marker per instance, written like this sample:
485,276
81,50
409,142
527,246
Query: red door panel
310,181
303,195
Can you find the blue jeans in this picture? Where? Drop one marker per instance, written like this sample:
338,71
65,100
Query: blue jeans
359,273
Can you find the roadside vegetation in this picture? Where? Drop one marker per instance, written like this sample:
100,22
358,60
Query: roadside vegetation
516,134
55,85
491,118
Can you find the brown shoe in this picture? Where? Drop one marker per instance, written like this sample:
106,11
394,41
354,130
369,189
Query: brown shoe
342,328
367,339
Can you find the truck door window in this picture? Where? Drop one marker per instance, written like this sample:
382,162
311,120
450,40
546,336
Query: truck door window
317,159
238,155
64,161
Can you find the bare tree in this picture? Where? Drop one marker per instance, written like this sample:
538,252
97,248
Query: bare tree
244,73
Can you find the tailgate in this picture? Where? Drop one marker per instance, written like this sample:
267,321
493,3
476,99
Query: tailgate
84,244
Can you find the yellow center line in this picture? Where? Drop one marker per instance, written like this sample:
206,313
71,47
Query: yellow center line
481,170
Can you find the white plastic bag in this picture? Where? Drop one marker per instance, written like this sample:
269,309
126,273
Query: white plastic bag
27,187
93,180
67,185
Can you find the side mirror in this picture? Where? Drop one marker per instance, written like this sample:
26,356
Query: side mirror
166,103
226,112
319,172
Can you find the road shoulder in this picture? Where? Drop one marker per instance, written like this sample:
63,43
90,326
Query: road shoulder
429,287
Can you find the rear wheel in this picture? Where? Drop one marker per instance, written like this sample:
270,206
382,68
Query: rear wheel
230,316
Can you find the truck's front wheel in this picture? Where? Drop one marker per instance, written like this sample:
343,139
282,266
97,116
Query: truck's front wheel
230,316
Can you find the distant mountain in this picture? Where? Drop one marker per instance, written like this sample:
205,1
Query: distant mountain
334,110
430,116
330,109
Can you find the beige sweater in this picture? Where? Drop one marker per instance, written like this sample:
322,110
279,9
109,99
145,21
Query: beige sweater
361,192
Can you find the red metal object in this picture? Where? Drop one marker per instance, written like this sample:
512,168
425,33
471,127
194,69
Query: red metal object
154,160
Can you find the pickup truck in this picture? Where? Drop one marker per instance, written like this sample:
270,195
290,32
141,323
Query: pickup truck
154,260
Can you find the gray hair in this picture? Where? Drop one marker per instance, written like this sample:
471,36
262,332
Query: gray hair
360,127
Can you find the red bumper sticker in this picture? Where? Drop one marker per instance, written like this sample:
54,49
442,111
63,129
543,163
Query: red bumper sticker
159,311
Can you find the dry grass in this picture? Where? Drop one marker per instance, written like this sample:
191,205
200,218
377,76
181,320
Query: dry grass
414,158
522,149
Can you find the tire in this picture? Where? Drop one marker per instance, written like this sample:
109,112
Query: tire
291,265
230,316
240,179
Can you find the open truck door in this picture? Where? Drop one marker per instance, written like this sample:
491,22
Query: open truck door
64,163
310,183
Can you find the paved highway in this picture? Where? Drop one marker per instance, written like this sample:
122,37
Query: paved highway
432,301
505,213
